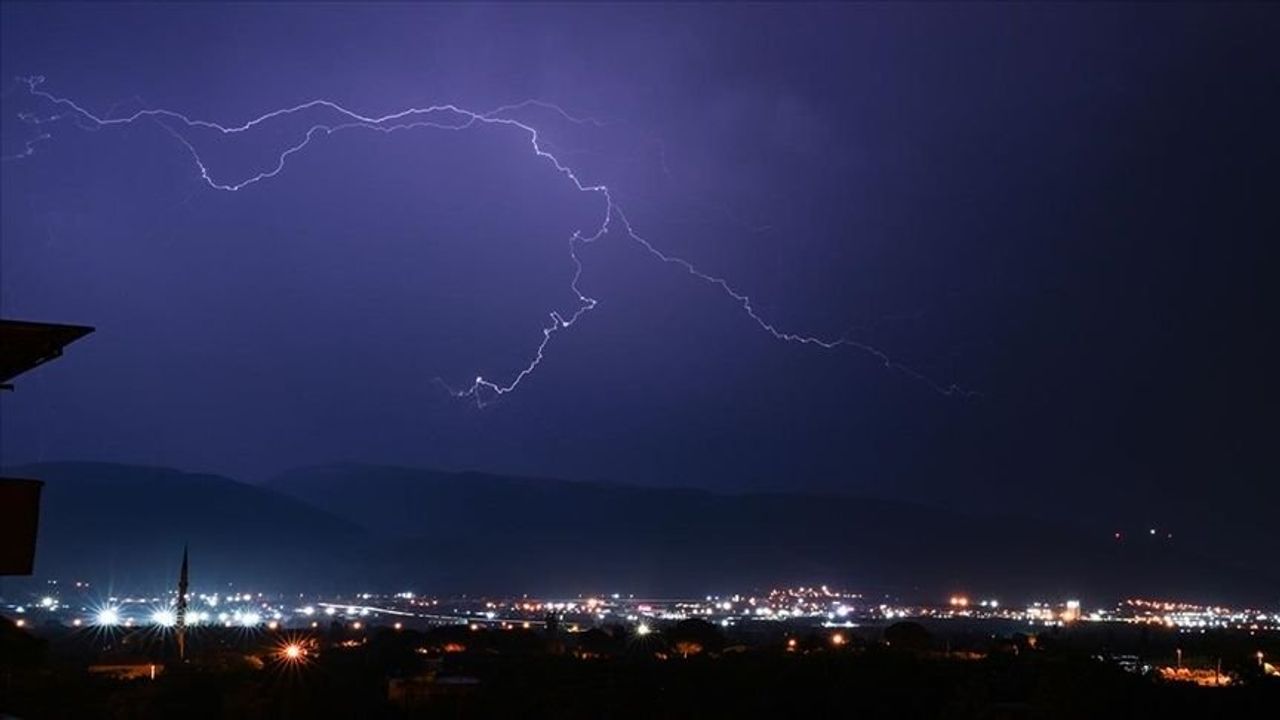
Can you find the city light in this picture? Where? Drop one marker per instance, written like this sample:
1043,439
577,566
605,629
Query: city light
292,651
831,608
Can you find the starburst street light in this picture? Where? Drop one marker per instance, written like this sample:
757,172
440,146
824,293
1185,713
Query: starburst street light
294,651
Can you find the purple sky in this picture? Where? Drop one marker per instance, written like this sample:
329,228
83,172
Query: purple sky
1065,208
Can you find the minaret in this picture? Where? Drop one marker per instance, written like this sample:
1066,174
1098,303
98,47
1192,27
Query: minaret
181,617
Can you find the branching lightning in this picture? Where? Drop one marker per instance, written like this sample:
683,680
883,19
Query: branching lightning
451,118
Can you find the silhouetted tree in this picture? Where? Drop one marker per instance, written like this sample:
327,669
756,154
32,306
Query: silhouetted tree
908,635
692,636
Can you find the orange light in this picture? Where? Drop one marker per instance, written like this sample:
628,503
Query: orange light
292,652
837,639
791,643
399,626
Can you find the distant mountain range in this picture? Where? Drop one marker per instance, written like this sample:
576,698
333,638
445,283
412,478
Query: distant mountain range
124,527
359,526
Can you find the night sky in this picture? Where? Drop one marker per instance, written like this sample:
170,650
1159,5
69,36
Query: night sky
1069,211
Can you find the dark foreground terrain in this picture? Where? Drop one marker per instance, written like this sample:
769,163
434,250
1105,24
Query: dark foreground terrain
686,670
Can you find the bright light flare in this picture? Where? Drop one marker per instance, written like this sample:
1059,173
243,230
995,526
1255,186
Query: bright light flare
164,618
107,617
293,651
643,629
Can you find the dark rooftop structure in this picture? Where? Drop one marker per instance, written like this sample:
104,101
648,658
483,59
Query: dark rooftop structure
27,345
23,346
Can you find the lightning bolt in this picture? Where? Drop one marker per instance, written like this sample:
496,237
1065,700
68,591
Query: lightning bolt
451,117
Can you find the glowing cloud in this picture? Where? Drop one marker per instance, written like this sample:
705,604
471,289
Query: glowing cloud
450,117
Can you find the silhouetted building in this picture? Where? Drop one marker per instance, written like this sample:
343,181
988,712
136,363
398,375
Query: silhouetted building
23,346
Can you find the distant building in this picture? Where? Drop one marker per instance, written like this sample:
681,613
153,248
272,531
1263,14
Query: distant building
1204,677
125,670
414,692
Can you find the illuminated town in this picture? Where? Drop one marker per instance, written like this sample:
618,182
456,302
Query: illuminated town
453,648
786,614
802,606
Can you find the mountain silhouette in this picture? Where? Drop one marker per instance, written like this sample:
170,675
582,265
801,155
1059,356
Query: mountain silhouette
124,527
476,532
350,527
